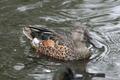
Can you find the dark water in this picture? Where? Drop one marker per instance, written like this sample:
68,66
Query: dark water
102,16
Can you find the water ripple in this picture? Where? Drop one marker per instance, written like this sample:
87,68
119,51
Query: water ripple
101,16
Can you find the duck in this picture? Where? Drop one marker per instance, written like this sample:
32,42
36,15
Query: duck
59,44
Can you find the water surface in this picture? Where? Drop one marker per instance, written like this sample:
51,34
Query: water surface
101,16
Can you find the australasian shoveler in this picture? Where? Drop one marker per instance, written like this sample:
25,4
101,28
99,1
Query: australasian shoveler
59,44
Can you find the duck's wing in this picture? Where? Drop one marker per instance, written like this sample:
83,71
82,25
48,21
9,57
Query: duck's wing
40,32
32,32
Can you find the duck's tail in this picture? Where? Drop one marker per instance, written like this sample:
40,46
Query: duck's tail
27,32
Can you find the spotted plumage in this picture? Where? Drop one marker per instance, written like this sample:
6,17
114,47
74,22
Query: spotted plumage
59,44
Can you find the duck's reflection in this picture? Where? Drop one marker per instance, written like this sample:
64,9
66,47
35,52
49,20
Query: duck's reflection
75,71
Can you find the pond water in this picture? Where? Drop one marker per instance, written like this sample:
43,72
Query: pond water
101,16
